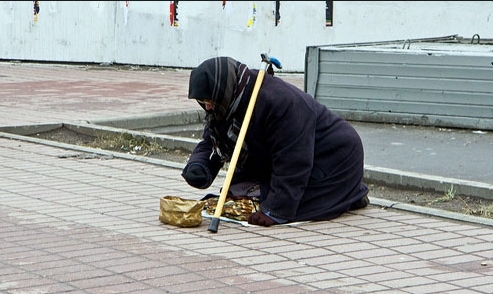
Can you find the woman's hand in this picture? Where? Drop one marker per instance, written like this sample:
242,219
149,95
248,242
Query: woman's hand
196,176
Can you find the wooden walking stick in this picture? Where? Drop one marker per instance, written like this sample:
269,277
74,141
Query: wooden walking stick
266,61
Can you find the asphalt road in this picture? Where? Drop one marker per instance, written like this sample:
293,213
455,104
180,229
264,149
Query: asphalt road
453,153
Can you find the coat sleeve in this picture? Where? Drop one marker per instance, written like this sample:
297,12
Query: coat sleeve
202,155
290,124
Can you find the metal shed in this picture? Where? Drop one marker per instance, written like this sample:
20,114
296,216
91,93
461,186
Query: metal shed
445,81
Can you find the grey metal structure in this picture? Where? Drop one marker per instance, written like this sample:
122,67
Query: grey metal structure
445,81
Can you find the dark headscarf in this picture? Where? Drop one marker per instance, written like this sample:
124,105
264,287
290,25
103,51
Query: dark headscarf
222,80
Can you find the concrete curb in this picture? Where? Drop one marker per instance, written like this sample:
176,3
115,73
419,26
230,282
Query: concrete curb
431,211
403,179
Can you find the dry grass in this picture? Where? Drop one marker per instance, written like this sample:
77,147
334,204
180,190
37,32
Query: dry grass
449,195
127,143
485,211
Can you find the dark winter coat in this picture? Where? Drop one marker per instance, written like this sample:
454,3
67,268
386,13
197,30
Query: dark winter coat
308,160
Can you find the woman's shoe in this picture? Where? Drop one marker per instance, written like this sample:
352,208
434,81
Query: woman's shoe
362,203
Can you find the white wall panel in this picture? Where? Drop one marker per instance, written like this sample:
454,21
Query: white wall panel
106,31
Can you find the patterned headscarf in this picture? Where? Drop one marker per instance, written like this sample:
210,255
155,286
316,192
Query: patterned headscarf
222,80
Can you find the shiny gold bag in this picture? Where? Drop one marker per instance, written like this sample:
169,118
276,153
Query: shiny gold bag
235,207
181,212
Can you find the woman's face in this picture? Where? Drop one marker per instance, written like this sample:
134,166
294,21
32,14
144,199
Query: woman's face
208,104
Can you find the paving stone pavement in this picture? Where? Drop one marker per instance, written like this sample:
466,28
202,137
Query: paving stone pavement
90,224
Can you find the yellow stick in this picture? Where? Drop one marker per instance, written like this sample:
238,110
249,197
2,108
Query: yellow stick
236,153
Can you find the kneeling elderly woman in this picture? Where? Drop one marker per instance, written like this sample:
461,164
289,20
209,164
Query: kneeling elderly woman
307,160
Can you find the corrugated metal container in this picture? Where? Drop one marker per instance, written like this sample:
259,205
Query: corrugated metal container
445,81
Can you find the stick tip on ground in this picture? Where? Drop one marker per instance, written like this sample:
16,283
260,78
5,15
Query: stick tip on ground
214,225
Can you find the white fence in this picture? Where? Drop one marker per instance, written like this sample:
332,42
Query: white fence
140,32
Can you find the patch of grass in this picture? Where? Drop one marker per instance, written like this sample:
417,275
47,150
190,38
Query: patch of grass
127,143
449,195
485,211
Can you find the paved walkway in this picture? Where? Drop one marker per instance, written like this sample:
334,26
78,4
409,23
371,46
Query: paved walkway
85,224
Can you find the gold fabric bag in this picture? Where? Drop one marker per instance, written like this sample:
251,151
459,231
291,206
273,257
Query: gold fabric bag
241,201
181,212
235,207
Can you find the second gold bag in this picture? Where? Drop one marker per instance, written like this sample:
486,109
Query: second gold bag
181,212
